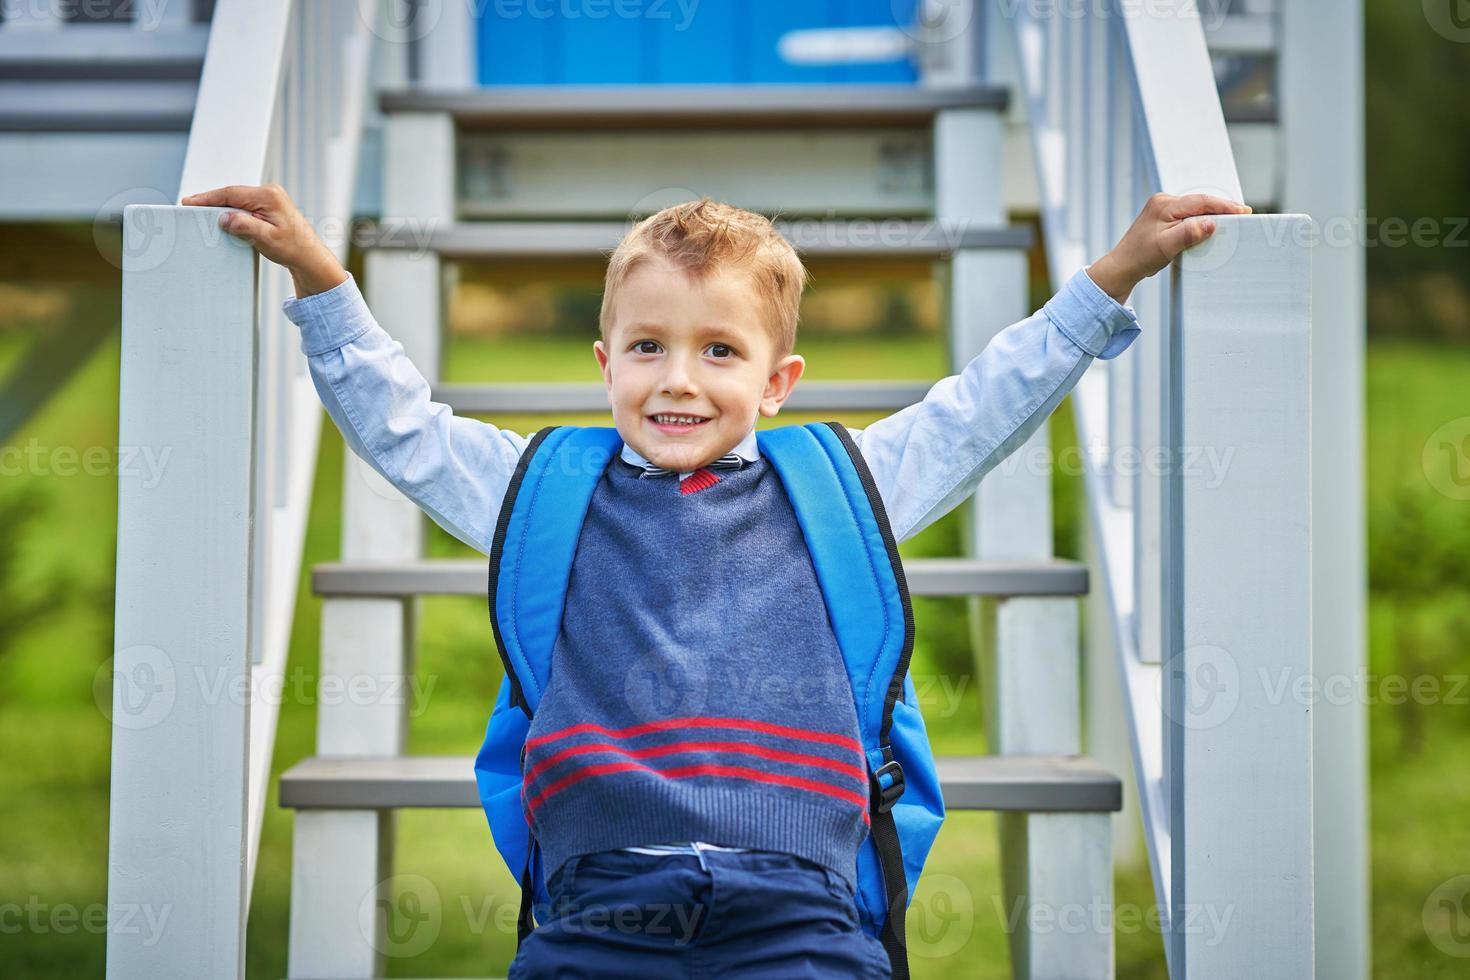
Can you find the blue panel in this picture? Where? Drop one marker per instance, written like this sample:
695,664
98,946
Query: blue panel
602,43
701,42
515,48
551,42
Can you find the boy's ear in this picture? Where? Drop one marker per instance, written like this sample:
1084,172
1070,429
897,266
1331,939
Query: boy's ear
602,363
779,386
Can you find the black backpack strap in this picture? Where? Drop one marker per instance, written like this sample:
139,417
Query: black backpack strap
890,859
525,924
884,828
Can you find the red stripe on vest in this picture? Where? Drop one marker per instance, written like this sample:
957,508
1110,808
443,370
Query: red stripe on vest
744,724
673,748
684,772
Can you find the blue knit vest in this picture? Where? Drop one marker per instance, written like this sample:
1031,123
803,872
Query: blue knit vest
697,691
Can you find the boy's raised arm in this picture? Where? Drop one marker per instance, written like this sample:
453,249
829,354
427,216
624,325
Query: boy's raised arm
455,469
930,456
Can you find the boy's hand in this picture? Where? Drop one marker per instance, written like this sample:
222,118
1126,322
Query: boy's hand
1165,227
270,221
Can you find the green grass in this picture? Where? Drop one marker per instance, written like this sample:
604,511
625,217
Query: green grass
53,787
1419,616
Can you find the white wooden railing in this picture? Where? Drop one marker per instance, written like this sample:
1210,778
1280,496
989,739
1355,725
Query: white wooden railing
1197,445
208,558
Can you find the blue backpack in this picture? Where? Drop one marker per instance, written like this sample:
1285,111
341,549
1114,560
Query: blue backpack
856,559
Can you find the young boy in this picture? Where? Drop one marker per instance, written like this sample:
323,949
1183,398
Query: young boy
690,557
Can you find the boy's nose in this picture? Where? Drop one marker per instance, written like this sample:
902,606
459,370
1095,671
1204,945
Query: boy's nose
677,381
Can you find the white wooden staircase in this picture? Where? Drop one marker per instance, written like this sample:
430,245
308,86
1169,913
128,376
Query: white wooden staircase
816,151
1204,572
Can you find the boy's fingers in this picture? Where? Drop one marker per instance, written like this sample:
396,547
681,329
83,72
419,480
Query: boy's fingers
234,196
242,225
1186,233
1191,204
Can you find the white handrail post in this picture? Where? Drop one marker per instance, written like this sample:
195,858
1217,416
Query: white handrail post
182,643
1238,742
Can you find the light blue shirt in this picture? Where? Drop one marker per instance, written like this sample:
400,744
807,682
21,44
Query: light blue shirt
925,459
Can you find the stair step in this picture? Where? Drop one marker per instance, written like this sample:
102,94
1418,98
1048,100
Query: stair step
1030,784
864,238
88,51
693,106
103,106
546,398
100,78
926,577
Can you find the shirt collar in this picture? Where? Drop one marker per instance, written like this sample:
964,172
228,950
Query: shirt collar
747,449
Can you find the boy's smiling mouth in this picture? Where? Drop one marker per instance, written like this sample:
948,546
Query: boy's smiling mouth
676,423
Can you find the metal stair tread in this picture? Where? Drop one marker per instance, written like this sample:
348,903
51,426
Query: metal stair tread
1031,784
709,106
925,576
876,238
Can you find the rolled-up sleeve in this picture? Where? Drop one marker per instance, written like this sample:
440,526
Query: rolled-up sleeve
1093,320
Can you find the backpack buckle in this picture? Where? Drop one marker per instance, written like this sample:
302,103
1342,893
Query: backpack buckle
885,796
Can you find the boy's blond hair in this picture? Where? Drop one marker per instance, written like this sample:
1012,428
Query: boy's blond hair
700,237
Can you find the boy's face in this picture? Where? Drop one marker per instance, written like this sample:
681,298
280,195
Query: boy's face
678,346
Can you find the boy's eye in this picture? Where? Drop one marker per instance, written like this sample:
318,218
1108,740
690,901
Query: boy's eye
651,347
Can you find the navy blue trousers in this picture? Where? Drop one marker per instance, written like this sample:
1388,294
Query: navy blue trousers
710,914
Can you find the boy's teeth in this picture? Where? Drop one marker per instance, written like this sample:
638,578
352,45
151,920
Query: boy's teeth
677,419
